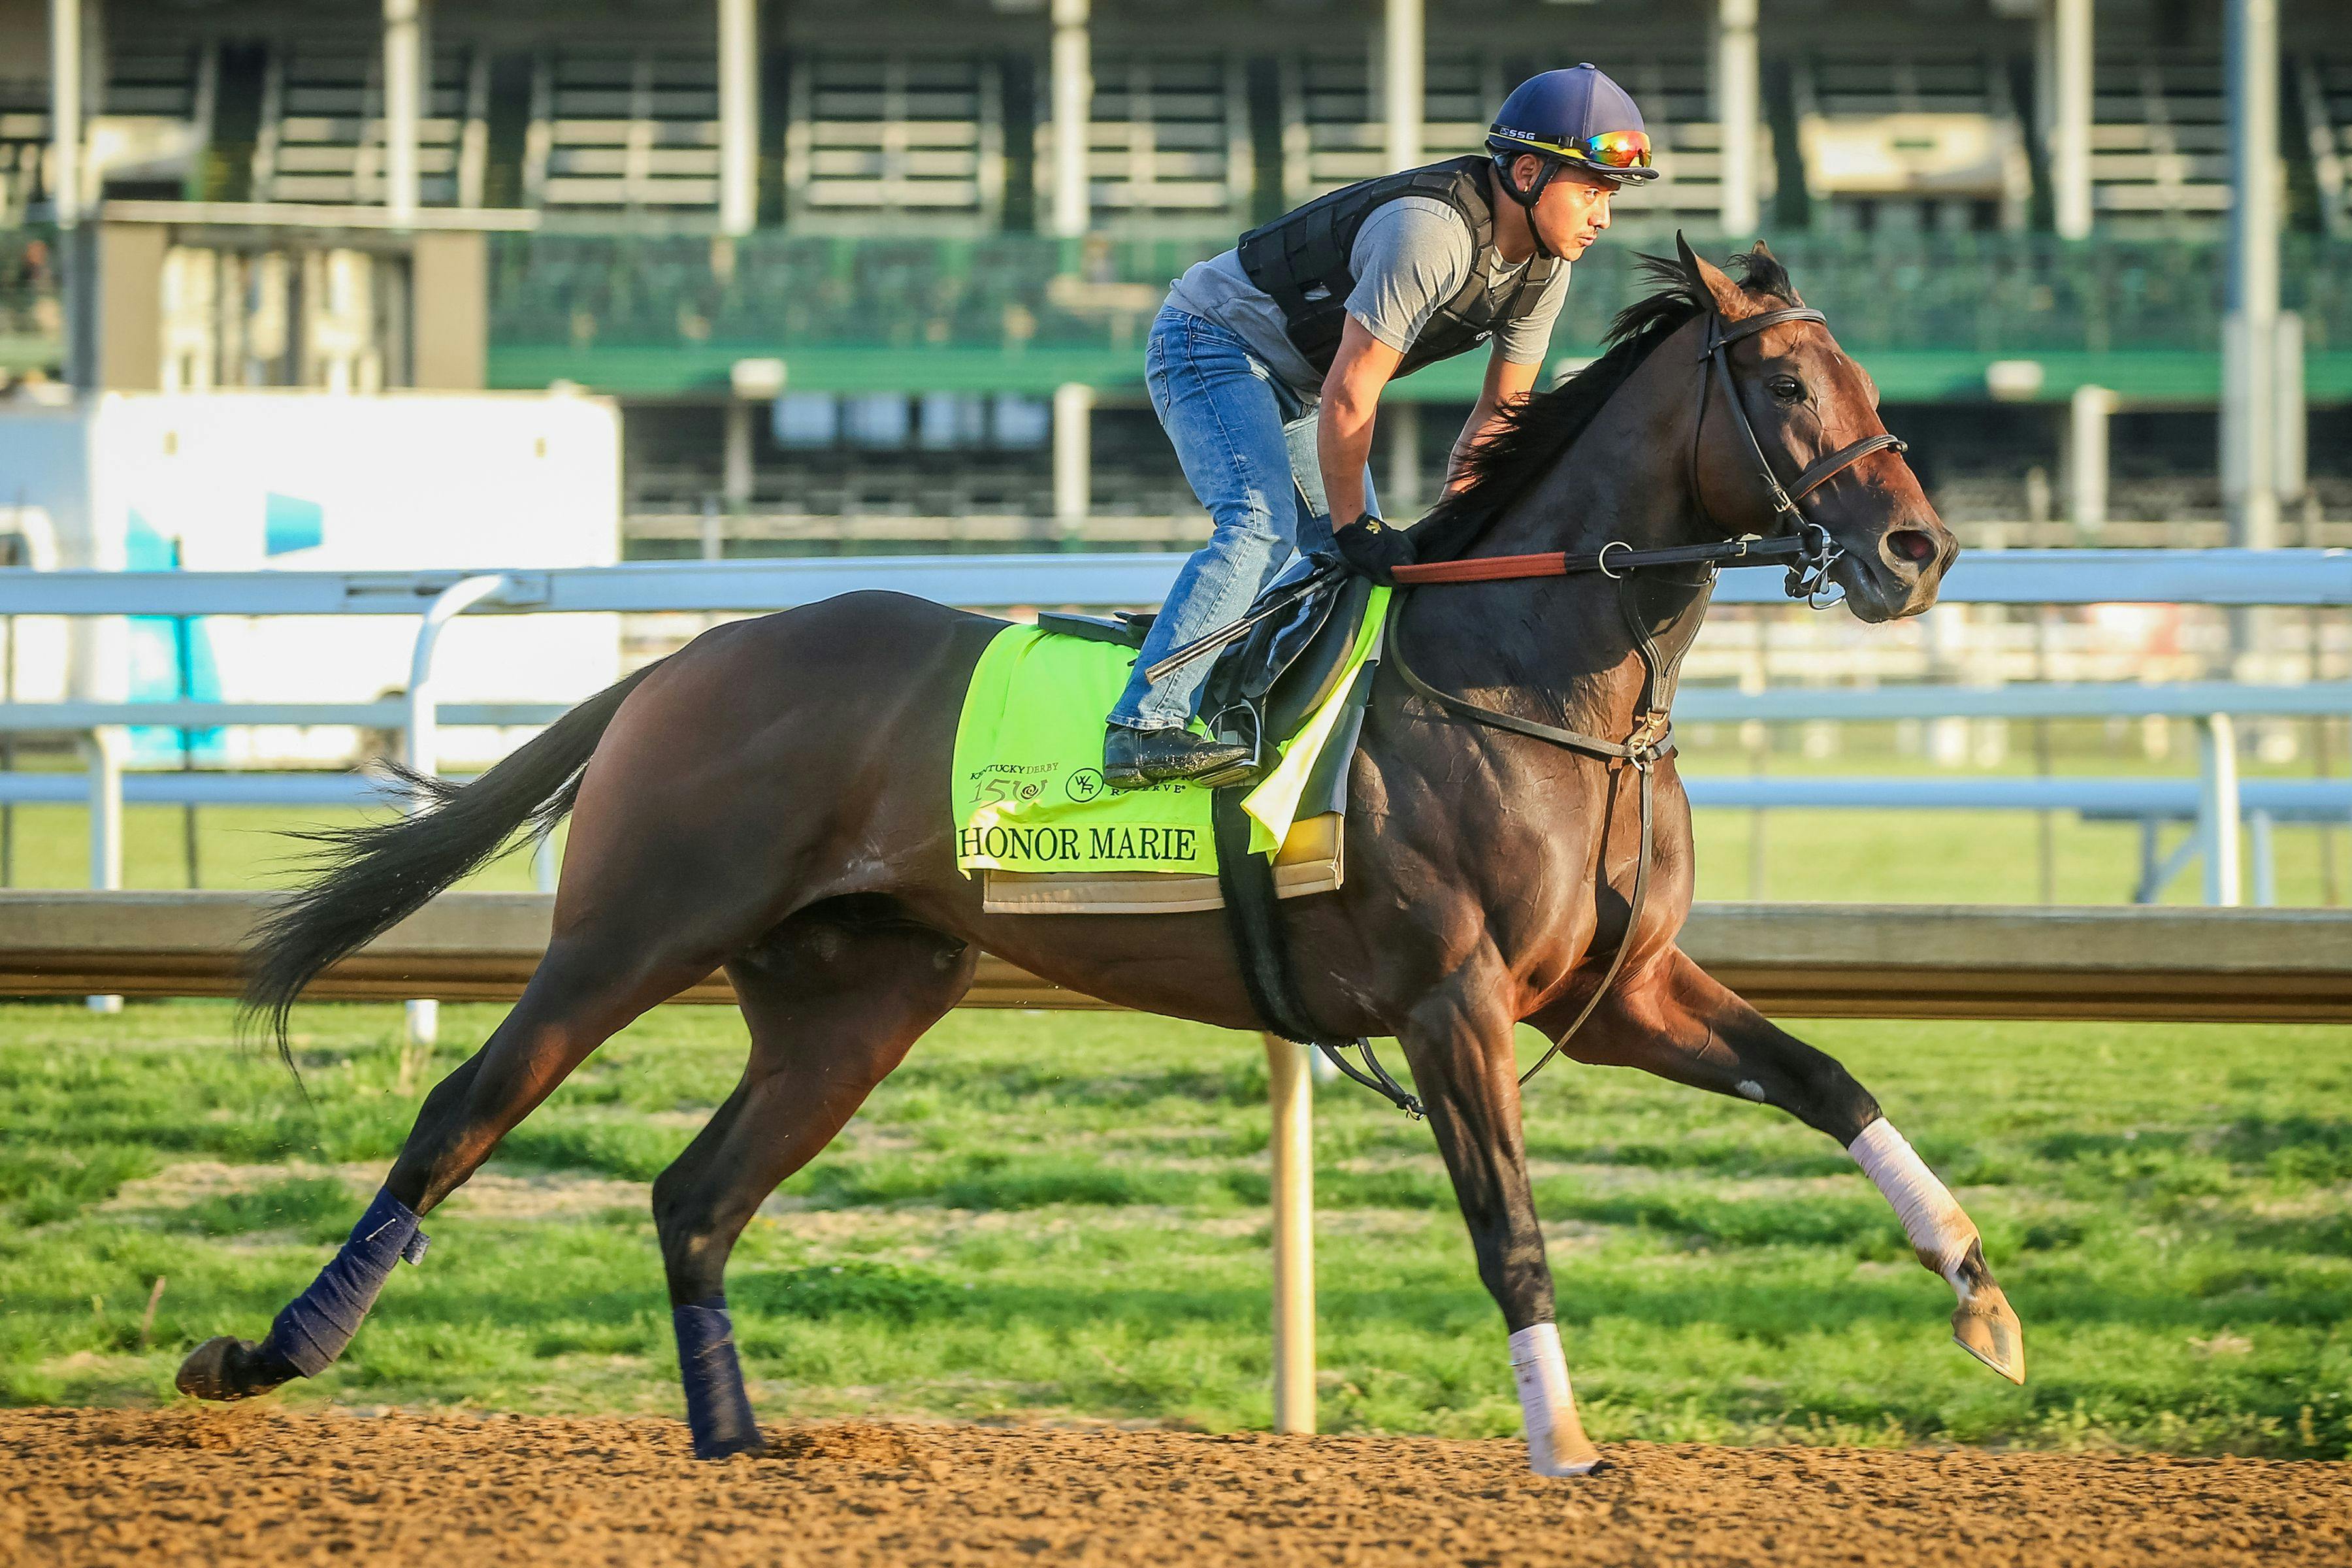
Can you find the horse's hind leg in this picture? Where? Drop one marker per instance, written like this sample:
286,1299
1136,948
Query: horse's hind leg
1680,1023
593,981
834,998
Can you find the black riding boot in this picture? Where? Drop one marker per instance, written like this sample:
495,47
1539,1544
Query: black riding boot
1134,758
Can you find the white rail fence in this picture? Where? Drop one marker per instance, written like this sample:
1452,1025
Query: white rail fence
2217,803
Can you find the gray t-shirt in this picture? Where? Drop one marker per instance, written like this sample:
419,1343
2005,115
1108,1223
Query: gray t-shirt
1410,255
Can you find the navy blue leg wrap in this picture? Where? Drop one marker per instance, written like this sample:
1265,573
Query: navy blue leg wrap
718,1410
317,1325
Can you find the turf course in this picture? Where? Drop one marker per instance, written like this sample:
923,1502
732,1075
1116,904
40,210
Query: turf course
1057,1215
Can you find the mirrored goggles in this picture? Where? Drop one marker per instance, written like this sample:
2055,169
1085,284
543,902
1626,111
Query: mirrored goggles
1614,150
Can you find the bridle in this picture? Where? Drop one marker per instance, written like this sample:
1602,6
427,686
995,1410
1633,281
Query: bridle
1817,473
1808,549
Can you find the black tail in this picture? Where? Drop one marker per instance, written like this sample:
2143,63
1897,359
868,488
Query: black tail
372,878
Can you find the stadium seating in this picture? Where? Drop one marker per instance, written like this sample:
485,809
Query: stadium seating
1332,134
24,147
621,131
1688,143
2159,141
146,130
895,136
2325,87
1333,131
1169,142
322,137
1918,141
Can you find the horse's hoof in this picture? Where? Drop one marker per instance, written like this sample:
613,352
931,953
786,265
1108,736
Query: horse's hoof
223,1368
1986,1328
727,1446
1571,1453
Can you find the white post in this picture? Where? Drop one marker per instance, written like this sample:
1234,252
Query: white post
2250,381
65,111
102,752
2291,411
737,457
2087,461
1737,100
1292,1097
404,101
2217,809
1404,46
2258,826
739,116
1073,93
423,747
2068,122
1073,404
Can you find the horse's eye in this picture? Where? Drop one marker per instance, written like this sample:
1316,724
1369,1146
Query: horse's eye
1787,388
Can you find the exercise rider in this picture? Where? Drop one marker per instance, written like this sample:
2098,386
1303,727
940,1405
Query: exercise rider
1266,363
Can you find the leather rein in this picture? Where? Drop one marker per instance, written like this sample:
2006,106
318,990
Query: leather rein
1808,551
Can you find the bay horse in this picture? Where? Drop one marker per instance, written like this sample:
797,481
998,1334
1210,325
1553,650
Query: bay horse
772,800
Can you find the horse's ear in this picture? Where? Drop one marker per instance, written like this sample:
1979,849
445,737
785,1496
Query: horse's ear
1731,301
1766,272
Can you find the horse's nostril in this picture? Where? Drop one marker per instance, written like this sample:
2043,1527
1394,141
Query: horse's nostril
1910,544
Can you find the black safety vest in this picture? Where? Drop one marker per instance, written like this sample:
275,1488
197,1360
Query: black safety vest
1304,260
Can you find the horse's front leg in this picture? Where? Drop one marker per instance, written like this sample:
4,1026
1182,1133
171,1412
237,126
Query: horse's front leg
1459,1043
1677,1020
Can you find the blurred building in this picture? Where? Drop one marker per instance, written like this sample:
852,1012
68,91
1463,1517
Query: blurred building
879,273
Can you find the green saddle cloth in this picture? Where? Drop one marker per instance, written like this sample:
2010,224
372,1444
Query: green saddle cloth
1028,791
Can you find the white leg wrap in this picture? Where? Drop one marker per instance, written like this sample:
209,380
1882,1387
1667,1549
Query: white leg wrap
1940,1231
1541,1373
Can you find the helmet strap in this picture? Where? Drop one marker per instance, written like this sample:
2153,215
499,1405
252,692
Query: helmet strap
1545,169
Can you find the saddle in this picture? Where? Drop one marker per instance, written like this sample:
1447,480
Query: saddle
1262,689
1264,686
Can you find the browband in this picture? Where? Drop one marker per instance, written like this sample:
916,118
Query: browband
1748,326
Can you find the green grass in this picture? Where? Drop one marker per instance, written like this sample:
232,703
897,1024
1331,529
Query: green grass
1064,1215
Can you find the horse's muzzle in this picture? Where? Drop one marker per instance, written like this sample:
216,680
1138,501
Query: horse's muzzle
1899,577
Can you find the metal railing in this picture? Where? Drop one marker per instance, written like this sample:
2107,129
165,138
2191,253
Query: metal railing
2217,802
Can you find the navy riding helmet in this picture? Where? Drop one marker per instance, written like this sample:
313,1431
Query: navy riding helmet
1576,119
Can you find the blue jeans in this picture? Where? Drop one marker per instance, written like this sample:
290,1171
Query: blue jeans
1247,446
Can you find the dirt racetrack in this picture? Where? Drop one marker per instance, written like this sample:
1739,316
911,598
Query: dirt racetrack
258,1484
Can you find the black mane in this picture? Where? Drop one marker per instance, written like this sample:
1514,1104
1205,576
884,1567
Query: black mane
1532,436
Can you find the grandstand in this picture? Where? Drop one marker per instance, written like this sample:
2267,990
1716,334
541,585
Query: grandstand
939,218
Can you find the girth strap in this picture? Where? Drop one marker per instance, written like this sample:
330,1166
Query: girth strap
1254,916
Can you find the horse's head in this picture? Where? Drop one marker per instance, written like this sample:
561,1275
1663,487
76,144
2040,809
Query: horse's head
1819,453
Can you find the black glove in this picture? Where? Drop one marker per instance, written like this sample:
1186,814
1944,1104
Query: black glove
1373,549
